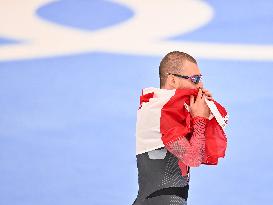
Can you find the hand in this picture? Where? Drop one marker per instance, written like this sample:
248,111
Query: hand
208,94
199,106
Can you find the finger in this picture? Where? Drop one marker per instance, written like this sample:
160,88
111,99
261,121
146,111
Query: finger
207,93
191,100
199,95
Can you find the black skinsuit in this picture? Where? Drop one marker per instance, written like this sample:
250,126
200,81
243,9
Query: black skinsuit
160,180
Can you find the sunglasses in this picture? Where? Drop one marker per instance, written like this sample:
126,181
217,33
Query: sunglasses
194,78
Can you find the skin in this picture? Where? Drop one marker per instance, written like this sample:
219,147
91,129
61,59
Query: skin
198,106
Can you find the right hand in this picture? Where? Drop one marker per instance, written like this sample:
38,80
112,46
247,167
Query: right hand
199,106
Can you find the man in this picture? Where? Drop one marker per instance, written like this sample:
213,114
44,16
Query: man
160,167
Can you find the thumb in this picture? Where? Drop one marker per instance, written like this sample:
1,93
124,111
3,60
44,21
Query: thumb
191,100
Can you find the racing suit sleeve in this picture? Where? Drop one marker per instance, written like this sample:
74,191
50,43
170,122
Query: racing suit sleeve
190,152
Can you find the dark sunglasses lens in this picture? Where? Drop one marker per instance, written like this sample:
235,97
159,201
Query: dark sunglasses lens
196,79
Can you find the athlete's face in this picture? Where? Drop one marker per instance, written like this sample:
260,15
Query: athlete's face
187,69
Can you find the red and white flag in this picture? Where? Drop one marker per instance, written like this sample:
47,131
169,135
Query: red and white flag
163,116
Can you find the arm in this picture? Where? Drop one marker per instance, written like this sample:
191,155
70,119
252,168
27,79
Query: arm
190,152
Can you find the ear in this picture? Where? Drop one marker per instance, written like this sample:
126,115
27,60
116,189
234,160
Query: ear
171,81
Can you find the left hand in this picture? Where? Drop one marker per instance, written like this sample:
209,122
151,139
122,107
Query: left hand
208,94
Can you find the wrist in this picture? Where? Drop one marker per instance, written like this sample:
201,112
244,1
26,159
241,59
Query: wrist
200,123
200,118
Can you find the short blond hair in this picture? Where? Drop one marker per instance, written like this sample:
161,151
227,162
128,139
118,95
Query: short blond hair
171,62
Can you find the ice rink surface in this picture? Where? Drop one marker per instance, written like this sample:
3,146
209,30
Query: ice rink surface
71,72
